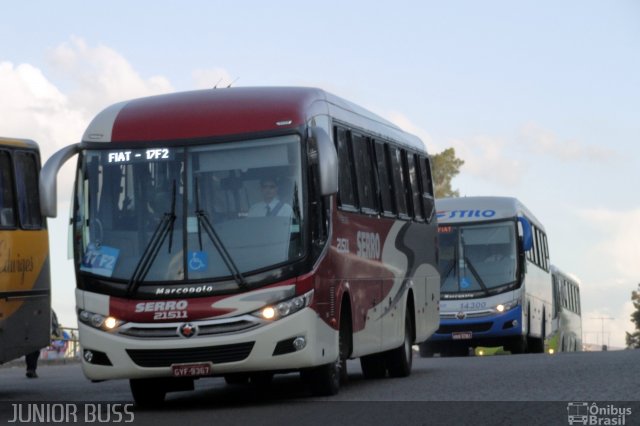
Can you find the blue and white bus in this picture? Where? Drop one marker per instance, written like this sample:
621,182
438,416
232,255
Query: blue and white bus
495,277
567,319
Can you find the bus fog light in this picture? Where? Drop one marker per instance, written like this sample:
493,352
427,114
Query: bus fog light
88,356
299,343
515,323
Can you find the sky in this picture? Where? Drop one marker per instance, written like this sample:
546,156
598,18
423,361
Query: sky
539,98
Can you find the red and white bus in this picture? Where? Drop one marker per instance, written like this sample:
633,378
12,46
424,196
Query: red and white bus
183,272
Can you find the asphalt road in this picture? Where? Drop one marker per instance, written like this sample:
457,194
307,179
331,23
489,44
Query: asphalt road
522,389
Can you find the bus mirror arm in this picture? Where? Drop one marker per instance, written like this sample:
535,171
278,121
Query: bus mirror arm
48,179
527,234
429,206
327,161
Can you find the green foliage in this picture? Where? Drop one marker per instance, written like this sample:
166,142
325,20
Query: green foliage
633,339
445,167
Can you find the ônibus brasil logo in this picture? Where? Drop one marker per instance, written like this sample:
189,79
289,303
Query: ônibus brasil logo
585,413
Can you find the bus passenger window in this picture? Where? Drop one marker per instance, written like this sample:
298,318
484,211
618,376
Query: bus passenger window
416,196
7,198
27,185
345,178
384,183
399,183
364,174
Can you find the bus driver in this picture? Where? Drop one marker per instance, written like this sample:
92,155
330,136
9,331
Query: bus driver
271,204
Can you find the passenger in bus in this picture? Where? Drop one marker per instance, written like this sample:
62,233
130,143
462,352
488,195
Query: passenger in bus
270,205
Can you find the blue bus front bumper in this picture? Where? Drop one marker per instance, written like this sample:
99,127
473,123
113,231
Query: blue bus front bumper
488,327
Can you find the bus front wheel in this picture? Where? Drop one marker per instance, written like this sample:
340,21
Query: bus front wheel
323,380
147,392
400,360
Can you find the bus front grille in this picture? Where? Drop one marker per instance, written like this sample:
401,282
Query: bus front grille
215,354
204,329
474,327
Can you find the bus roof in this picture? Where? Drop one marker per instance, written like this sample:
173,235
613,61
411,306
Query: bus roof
569,277
18,143
231,111
478,209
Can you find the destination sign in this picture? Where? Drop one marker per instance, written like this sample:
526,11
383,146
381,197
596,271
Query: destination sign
139,155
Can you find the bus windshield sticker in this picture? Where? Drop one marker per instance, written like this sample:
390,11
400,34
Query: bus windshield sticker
100,260
198,261
139,155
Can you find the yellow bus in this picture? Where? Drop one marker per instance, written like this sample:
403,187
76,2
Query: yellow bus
25,281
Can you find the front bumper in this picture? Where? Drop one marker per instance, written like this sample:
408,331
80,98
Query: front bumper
253,350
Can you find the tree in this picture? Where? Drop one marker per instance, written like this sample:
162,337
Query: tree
445,167
633,339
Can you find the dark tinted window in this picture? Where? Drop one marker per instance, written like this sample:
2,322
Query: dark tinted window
363,161
345,177
416,196
26,165
7,197
399,184
384,182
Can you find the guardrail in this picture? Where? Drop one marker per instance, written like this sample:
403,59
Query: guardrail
65,347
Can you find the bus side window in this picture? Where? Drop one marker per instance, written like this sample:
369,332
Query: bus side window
399,184
364,174
7,196
346,193
414,185
27,185
427,197
384,184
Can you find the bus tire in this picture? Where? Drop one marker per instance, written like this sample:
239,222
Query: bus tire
323,380
261,379
345,340
373,366
147,393
400,359
518,345
236,379
426,351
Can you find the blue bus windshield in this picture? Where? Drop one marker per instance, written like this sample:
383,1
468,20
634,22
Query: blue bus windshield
477,257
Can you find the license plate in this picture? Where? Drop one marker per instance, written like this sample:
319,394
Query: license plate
190,370
461,335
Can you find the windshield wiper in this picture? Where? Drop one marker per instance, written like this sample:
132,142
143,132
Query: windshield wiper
445,275
204,222
475,274
164,228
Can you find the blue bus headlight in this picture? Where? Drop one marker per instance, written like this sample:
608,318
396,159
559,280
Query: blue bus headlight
504,307
284,308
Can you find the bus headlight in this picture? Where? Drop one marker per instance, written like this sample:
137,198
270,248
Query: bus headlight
284,308
101,322
504,307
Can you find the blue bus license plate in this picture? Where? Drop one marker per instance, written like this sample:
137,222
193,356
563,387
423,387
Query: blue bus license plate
461,335
191,370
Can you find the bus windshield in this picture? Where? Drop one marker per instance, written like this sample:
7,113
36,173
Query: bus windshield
478,258
201,212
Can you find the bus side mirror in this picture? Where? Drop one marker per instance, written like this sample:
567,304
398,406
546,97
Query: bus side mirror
48,179
527,234
327,160
429,206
